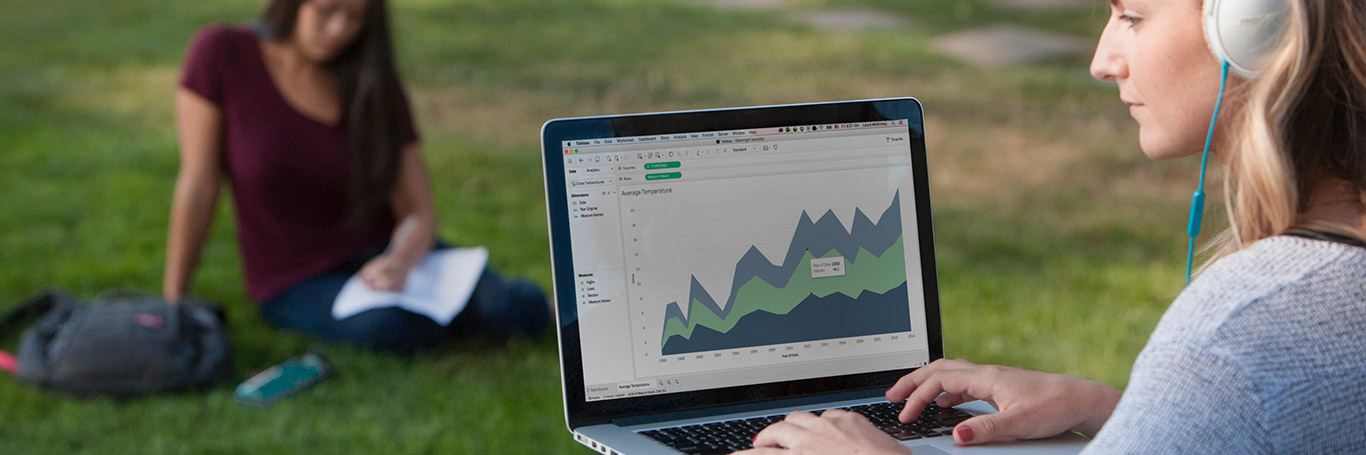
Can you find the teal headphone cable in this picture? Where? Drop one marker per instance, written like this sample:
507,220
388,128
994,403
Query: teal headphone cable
1198,199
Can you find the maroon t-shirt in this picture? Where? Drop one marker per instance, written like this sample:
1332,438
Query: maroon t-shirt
289,173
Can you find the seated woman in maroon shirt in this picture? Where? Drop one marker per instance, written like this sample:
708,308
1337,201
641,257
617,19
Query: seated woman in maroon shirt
305,116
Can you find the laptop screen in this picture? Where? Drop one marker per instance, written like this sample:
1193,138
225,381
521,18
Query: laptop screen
713,259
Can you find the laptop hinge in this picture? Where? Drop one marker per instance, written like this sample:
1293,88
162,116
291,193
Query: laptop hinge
748,407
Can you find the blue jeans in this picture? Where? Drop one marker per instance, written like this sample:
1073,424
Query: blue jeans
497,310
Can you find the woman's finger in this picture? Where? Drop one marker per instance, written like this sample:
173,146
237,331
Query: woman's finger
974,383
762,451
838,413
371,272
781,434
958,363
903,387
907,383
986,428
920,397
949,400
844,419
801,418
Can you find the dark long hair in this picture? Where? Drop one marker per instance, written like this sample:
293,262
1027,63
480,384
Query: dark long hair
371,99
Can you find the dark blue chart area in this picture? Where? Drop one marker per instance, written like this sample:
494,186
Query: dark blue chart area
786,303
816,318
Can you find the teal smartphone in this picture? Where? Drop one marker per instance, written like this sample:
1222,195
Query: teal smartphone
283,379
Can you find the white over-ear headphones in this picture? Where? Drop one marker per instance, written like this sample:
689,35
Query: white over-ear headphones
1241,32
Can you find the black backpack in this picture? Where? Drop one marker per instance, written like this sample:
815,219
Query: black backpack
120,345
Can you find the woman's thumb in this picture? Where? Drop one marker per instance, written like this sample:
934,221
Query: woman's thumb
984,429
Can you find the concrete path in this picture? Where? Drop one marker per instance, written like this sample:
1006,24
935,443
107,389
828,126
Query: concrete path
844,19
1045,4
850,19
991,46
744,5
1007,44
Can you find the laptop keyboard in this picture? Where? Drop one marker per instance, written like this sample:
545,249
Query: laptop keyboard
729,436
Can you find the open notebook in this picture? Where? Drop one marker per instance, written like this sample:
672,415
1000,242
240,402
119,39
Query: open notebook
438,287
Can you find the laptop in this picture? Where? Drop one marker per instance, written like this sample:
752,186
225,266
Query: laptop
717,269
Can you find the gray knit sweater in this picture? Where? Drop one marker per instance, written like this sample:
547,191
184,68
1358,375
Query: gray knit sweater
1264,353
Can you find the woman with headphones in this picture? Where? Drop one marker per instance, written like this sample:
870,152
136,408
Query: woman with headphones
1264,352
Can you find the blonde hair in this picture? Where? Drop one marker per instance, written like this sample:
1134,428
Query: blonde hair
1301,122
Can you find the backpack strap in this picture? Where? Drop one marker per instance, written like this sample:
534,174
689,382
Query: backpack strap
27,311
33,308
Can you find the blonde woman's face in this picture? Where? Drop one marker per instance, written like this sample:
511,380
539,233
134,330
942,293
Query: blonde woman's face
1155,51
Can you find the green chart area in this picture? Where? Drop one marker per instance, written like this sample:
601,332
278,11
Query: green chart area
779,303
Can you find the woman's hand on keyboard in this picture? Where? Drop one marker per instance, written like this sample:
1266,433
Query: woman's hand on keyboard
834,431
1031,404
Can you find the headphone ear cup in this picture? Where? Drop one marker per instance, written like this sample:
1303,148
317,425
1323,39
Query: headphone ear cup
1242,32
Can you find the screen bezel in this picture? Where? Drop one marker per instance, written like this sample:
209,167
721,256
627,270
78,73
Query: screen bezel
578,411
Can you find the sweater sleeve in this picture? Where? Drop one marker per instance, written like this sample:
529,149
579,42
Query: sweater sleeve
1182,399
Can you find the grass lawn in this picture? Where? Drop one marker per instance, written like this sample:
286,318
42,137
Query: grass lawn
1059,243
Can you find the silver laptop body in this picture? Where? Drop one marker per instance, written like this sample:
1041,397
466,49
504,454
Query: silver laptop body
719,265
